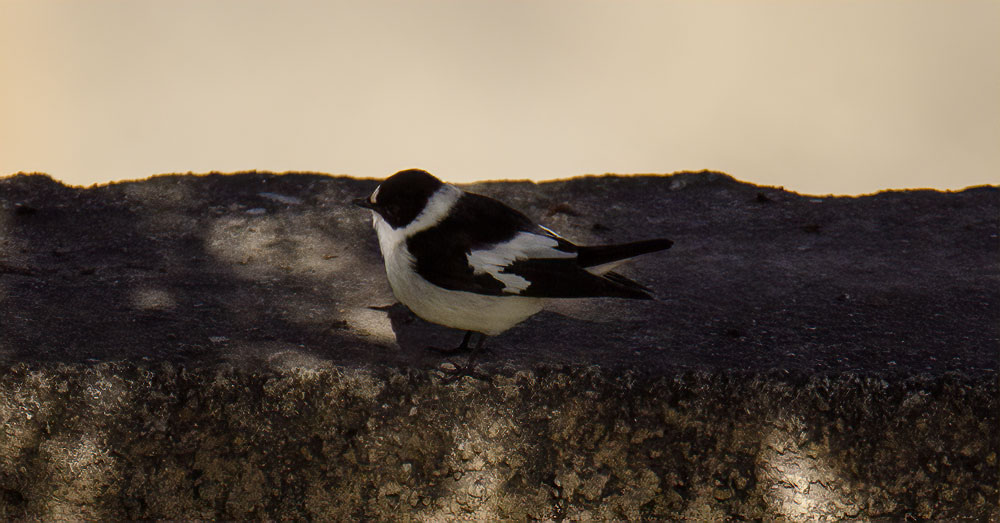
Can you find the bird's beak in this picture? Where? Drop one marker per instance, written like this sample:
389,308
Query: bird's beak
363,202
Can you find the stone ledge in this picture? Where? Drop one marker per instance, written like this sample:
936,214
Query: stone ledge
226,347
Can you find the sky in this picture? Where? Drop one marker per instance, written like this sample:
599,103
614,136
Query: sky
821,97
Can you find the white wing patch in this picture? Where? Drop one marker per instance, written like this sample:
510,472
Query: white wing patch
550,231
524,246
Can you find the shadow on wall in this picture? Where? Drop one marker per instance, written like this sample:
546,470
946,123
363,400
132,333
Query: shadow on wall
190,269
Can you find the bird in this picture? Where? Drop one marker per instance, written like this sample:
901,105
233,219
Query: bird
472,263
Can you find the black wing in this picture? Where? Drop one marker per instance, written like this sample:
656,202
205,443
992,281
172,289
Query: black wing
565,278
475,222
539,264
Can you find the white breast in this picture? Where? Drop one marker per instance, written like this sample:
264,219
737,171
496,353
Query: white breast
489,315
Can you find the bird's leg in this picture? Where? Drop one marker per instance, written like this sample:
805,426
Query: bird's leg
465,341
467,369
461,349
477,349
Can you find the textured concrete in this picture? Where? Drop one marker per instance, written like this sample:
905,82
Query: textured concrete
227,347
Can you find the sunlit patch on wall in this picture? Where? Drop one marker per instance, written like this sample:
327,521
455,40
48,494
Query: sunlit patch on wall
478,490
23,411
85,468
152,299
801,484
298,362
78,460
263,247
370,323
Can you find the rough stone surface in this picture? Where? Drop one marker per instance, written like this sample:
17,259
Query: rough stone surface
227,347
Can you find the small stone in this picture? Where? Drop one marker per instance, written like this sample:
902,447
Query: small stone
722,494
281,198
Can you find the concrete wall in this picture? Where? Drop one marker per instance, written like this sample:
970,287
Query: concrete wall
192,347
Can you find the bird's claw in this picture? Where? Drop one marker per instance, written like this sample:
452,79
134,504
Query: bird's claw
461,372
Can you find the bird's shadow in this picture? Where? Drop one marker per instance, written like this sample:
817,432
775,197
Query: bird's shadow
548,337
418,339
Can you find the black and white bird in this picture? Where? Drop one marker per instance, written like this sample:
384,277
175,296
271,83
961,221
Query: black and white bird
469,262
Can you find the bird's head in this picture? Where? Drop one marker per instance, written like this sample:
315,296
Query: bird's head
402,196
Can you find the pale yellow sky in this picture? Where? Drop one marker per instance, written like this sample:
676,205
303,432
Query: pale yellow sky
821,97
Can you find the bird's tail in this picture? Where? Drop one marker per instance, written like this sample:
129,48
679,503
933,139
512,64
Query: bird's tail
629,288
608,254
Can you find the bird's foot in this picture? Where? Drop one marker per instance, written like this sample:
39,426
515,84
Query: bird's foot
469,368
453,372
